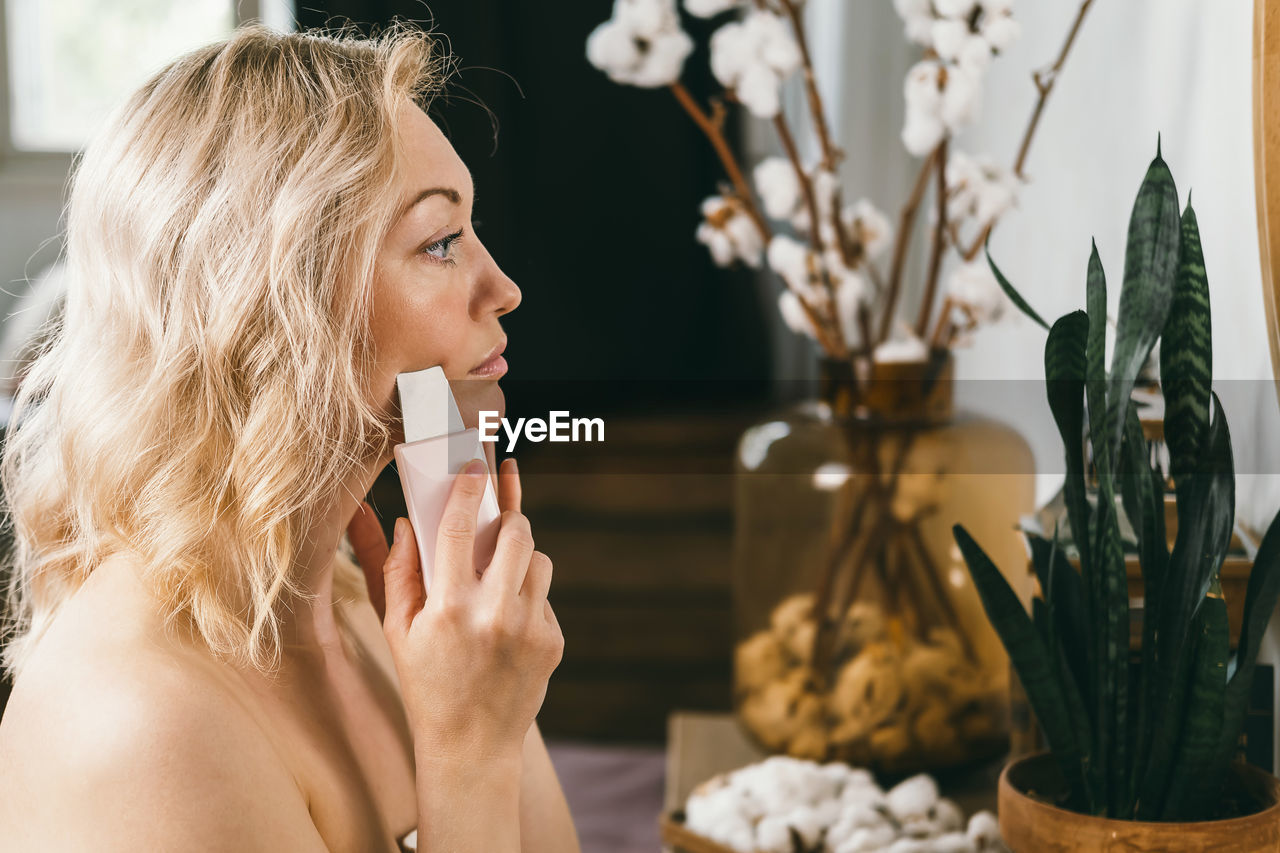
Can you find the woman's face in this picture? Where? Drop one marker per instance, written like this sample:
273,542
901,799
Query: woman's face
437,292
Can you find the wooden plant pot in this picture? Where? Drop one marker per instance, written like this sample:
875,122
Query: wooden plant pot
1030,825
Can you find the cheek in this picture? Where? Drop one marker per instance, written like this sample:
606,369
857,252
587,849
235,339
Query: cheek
418,324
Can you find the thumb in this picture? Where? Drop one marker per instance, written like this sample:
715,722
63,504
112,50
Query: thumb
402,580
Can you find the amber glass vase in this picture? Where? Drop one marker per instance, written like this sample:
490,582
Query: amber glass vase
860,636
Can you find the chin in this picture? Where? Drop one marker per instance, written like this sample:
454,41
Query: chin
475,395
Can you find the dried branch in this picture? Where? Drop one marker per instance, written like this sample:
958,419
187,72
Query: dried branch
713,127
939,244
906,218
831,155
1044,82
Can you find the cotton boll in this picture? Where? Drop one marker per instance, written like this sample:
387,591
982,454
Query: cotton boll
778,185
948,815
758,89
912,8
922,89
851,292
974,55
758,660
954,8
773,835
953,842
789,259
708,8
961,98
806,821
645,18
909,845
912,797
718,242
974,285
612,49
908,348
777,45
793,314
1000,31
921,133
665,60
917,18
869,225
949,37
867,840
746,239
984,830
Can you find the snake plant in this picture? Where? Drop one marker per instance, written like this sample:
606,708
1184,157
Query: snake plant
1148,740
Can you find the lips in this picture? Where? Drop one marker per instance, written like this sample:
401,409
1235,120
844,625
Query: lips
494,363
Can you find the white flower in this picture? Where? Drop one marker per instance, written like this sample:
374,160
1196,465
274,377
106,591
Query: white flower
793,314
954,8
978,188
709,8
917,15
641,45
825,185
955,42
729,232
923,87
906,348
922,133
961,97
851,292
984,829
789,259
752,57
778,186
1000,31
870,226
974,286
915,796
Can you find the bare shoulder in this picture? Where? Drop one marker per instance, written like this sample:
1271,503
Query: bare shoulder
124,744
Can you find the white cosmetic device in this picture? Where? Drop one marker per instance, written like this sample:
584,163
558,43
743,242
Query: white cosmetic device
437,445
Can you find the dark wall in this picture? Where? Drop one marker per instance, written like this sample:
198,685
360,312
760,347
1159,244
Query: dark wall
588,198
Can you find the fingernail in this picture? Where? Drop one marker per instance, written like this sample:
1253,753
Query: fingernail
398,532
475,468
514,466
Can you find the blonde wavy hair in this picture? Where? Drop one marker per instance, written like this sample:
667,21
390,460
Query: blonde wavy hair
202,396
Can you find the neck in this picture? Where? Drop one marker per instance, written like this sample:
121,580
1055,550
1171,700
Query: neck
308,622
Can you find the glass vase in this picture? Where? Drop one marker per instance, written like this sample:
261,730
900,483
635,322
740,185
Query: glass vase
859,634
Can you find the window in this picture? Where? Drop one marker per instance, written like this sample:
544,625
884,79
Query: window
70,62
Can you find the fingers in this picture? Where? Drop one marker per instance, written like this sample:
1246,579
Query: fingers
402,580
511,555
509,490
370,547
537,582
456,538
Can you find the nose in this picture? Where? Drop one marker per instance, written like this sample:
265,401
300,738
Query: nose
495,292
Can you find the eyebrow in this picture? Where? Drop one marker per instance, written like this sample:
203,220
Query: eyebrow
448,192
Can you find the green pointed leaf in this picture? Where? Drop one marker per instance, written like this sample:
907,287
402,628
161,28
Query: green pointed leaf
1188,798
1206,515
1260,599
1150,264
1030,660
1064,371
1014,296
1186,353
1065,589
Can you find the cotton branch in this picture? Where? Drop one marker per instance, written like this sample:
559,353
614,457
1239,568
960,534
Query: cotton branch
713,127
939,244
831,155
1044,81
906,218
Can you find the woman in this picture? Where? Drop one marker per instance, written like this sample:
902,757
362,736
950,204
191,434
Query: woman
261,239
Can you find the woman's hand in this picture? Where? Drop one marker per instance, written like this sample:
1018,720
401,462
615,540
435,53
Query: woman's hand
474,656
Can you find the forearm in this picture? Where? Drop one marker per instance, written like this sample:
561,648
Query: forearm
546,825
466,806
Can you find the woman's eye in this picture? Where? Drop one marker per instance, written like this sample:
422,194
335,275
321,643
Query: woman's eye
440,249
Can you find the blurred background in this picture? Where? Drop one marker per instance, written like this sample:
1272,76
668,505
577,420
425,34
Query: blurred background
588,196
